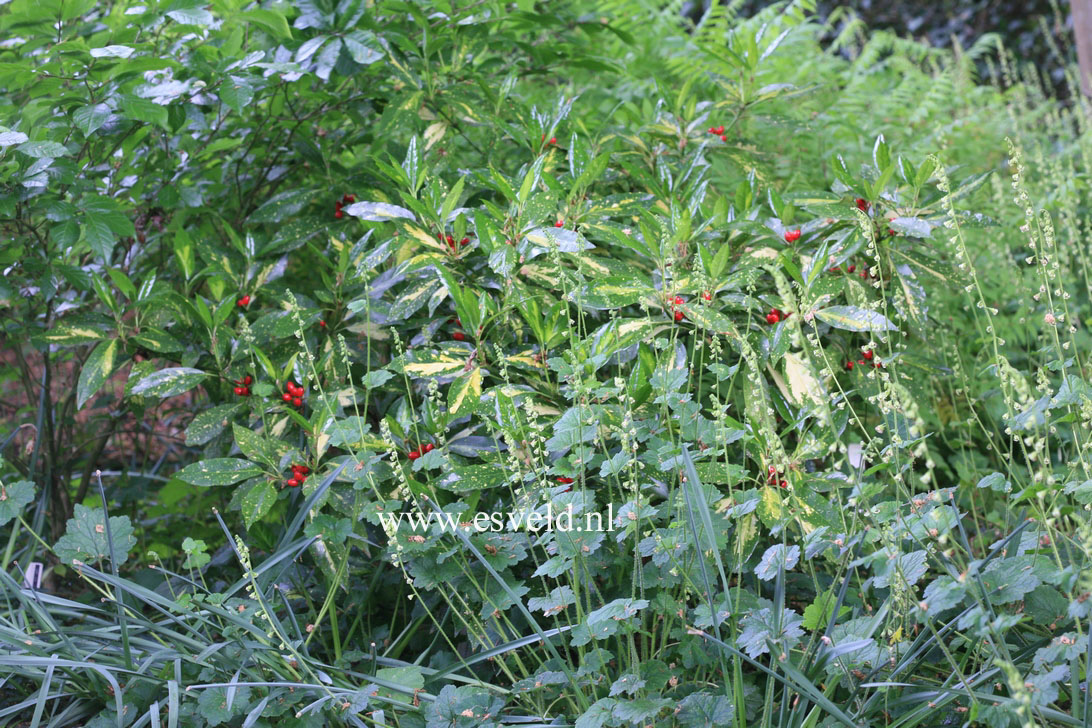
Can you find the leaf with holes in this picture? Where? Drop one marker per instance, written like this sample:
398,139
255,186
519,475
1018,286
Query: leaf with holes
85,537
14,497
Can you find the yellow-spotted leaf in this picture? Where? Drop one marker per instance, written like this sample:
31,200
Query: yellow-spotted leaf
465,393
218,471
96,370
852,318
802,384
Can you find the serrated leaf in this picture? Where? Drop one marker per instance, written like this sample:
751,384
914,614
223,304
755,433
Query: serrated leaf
218,471
236,93
209,424
168,382
777,557
85,537
14,497
852,318
98,367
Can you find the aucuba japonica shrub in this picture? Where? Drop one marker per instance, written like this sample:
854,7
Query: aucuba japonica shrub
277,273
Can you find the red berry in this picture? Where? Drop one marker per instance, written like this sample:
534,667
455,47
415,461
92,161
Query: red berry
339,214
244,301
835,269
724,137
861,362
464,241
297,402
772,317
862,204
559,223
413,454
784,484
553,140
239,391
851,268
791,236
450,241
849,365
286,397
679,300
292,482
719,129
712,130
459,336
891,232
322,323
429,447
247,380
868,354
707,296
679,316
563,480
349,198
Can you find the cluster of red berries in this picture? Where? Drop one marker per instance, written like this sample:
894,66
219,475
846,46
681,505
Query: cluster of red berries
676,314
774,477
458,335
776,315
345,200
299,474
852,269
242,386
450,240
243,302
293,394
552,142
867,356
791,236
565,481
718,131
421,450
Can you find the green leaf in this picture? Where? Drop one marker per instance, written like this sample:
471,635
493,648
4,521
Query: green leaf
73,335
168,382
271,20
85,537
218,471
775,558
851,318
209,424
138,109
190,12
11,138
258,501
13,499
236,93
98,367
995,481
40,150
96,231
